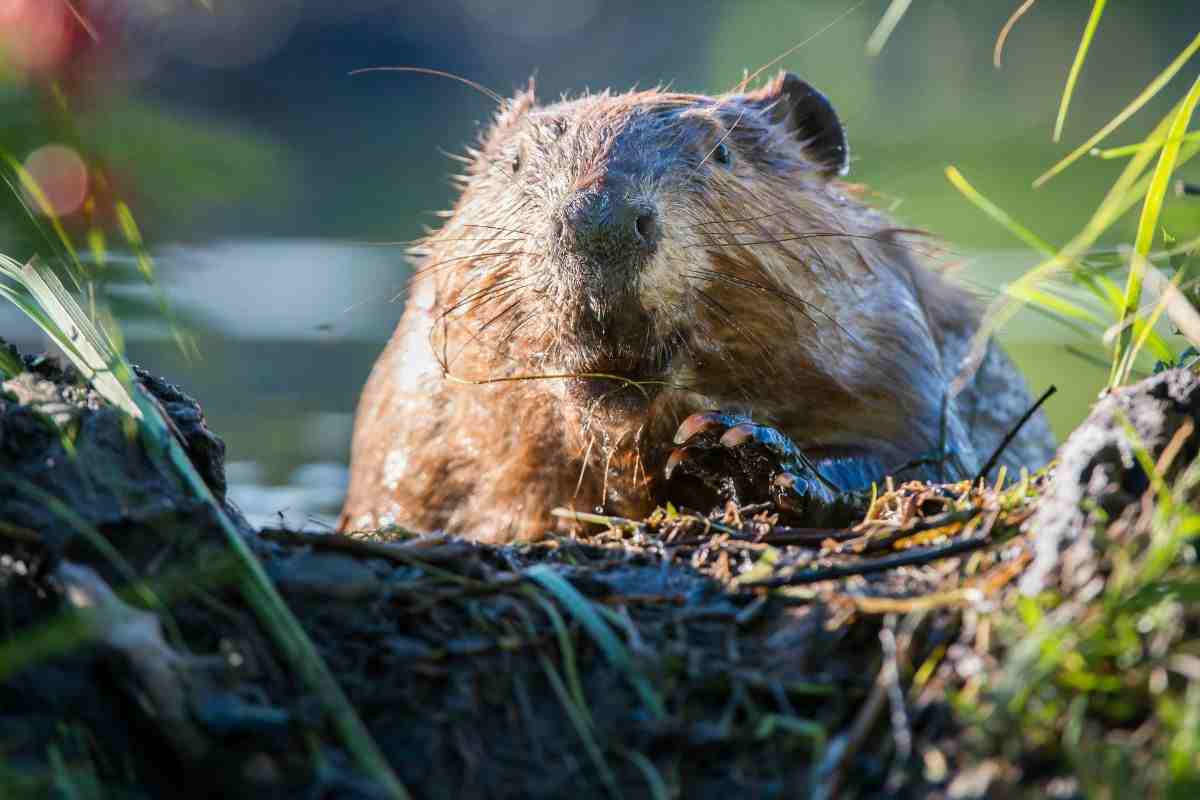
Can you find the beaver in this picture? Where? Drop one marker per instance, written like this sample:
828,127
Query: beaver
631,281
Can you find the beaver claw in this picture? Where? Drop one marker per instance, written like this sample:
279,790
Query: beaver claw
722,456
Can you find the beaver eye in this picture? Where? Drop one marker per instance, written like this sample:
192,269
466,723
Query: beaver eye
722,154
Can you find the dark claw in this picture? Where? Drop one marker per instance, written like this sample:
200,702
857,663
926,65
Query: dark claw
699,423
739,434
678,456
725,456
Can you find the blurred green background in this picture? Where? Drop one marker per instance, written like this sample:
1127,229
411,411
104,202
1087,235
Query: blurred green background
263,176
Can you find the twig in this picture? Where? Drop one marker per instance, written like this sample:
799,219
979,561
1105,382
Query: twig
991,462
430,552
885,542
815,537
921,556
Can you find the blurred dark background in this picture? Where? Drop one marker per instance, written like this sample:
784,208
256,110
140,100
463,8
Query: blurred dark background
266,179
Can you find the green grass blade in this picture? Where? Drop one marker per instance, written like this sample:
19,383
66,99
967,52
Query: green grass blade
1128,189
1184,315
1100,285
654,780
65,322
10,364
145,264
1085,42
1143,97
1148,223
994,211
1056,305
568,653
71,627
612,647
100,544
1130,356
579,722
30,185
887,23
1126,150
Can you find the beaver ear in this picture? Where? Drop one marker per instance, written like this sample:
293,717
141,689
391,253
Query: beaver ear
809,116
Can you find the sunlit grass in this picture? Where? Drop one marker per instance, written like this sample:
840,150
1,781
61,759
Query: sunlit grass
1143,97
1081,673
1085,43
1147,227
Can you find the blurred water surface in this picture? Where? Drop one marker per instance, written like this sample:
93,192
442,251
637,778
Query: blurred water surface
266,178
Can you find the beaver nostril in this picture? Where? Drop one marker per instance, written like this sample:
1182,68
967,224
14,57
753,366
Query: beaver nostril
645,227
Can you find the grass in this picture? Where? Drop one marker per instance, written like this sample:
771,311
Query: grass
1174,145
1106,679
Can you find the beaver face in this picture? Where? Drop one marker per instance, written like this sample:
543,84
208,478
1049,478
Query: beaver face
640,205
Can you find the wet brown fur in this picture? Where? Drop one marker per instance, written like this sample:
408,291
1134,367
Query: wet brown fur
797,303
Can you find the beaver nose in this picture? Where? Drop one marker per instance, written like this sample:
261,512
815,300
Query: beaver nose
608,227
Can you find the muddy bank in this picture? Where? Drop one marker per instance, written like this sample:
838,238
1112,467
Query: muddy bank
688,655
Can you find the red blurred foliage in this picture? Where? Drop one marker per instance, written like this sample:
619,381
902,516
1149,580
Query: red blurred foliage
56,42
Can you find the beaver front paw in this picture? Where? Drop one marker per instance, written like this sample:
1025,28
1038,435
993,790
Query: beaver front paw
727,456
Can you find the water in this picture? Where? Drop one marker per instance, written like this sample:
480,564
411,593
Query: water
309,497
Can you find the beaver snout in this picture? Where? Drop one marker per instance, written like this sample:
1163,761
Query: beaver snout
610,230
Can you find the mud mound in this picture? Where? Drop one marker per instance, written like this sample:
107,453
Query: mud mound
690,654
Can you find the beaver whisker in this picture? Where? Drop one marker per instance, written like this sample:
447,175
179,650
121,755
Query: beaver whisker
512,330
424,241
787,236
497,228
501,314
720,141
584,463
504,284
726,317
797,237
437,73
500,345
445,361
425,271
682,343
722,221
777,292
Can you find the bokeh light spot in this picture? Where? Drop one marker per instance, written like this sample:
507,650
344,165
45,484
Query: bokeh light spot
62,176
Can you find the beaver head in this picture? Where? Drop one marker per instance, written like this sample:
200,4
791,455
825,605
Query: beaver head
619,239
